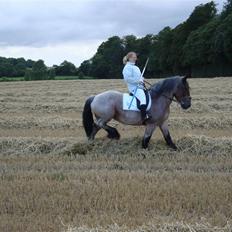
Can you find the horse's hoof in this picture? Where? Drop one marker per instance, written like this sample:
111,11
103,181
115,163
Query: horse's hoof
174,147
144,146
116,137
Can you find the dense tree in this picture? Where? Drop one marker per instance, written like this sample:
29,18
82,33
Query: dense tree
225,32
38,72
85,68
208,49
130,43
66,69
227,9
197,49
29,63
161,52
51,73
144,46
18,67
201,15
107,62
14,67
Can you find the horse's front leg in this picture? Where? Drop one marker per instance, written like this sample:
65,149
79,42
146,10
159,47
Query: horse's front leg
147,135
167,136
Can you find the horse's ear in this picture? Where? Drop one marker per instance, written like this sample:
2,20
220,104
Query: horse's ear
185,78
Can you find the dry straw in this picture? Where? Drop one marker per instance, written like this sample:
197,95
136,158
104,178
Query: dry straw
203,145
165,227
191,144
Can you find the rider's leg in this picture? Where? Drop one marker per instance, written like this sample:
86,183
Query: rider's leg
142,98
143,112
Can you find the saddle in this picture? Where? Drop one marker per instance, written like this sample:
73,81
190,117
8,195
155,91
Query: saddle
131,103
138,101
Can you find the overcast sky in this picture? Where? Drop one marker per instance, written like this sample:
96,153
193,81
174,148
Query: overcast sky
58,30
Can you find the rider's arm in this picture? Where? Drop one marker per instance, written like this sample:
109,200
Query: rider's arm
130,76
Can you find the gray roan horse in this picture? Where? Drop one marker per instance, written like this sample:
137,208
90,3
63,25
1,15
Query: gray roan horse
108,105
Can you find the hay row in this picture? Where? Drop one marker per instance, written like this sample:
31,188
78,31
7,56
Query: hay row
206,122
57,122
39,107
165,227
206,107
203,145
54,122
22,145
196,145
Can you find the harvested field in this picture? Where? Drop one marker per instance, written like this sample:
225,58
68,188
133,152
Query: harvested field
52,179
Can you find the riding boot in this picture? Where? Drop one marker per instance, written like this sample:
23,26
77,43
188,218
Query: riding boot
144,114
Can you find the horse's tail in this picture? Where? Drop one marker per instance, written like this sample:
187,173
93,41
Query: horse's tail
87,117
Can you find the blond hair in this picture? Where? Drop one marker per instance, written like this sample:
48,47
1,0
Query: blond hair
128,56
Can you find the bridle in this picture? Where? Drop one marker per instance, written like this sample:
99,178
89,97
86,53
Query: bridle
171,98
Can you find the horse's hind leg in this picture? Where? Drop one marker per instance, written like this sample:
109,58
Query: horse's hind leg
112,132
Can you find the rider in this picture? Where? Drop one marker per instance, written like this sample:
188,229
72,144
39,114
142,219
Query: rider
135,82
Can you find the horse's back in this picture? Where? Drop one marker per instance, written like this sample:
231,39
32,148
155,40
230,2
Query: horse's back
107,96
109,93
106,101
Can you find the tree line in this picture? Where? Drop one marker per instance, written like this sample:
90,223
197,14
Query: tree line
34,70
200,46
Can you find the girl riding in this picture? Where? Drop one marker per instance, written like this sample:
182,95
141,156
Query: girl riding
135,82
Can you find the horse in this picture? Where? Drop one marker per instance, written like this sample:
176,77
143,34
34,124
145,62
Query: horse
108,105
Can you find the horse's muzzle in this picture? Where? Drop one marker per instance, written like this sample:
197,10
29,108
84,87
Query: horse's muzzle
185,103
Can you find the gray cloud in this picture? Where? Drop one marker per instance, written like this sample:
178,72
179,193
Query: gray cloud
40,23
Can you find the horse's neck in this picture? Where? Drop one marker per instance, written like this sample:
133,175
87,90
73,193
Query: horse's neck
166,96
167,99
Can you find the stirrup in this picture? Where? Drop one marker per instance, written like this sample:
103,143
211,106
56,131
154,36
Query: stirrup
147,117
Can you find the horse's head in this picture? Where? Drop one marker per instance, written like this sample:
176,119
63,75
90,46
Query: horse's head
182,93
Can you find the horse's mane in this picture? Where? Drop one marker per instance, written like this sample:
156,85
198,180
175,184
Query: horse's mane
164,86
